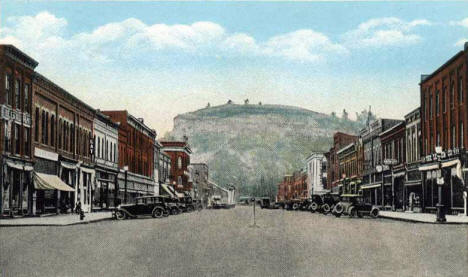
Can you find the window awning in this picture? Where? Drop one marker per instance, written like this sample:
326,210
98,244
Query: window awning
428,167
50,182
19,166
166,189
371,186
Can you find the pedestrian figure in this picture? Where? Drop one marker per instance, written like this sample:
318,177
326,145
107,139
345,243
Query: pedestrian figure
78,208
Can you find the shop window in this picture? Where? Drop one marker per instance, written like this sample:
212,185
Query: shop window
17,94
457,192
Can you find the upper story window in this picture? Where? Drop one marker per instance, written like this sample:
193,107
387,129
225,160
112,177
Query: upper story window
17,94
444,92
52,130
36,127
452,95
8,85
17,139
460,89
26,142
430,103
179,163
26,103
437,102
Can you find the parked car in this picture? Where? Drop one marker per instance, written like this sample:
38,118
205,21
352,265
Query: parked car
353,205
188,203
146,205
316,203
329,201
266,203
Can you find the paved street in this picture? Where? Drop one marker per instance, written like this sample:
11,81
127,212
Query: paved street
220,243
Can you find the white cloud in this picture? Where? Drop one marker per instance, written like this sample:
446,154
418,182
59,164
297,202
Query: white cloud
461,42
383,32
44,35
303,46
463,23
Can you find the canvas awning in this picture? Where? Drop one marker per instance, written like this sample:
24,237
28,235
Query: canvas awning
428,167
20,166
371,186
166,189
50,182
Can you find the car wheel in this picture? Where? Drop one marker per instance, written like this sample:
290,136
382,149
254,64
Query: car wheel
353,212
326,208
374,213
295,206
166,212
120,215
338,209
158,212
313,207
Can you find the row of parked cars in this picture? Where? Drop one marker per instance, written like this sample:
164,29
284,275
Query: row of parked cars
352,205
156,206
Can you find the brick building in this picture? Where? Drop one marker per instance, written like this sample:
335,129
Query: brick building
394,155
412,194
136,156
340,140
62,135
444,112
292,191
17,74
350,158
179,152
372,174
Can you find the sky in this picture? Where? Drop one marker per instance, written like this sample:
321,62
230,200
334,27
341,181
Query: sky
160,59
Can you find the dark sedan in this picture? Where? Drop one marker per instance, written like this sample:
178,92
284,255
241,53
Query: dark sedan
146,205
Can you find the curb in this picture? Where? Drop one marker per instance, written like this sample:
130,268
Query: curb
421,222
56,225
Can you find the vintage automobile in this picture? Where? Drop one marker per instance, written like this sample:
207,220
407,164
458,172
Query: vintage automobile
353,205
174,205
146,205
188,203
328,201
316,203
266,203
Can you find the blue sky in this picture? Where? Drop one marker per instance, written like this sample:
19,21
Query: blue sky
159,59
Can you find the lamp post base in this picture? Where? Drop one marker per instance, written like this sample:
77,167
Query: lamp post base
440,213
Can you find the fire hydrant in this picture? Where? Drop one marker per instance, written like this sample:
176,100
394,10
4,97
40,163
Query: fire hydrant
82,216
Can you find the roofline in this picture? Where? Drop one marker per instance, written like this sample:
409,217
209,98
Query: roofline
35,63
427,77
413,111
392,128
62,90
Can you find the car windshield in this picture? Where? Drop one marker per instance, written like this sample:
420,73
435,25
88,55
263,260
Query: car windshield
140,201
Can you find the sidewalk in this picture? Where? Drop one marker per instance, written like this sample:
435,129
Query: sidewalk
422,217
56,220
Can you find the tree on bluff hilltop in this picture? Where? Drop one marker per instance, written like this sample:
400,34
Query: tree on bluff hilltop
344,116
364,116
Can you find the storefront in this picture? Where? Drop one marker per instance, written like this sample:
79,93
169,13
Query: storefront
16,189
372,194
445,171
105,195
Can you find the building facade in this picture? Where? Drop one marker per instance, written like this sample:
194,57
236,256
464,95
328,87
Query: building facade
106,158
350,167
372,175
333,175
394,166
444,112
136,156
16,186
316,167
179,152
202,190
62,139
413,185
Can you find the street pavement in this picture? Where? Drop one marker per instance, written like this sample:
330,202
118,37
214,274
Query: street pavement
221,243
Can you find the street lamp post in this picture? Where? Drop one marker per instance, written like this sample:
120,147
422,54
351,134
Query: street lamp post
440,182
125,191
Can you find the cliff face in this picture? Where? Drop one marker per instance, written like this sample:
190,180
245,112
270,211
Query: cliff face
242,143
